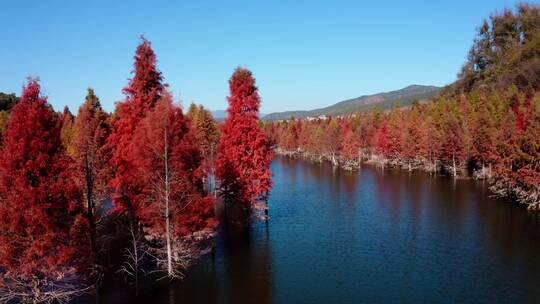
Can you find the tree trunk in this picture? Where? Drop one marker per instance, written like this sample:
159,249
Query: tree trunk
430,162
90,204
266,211
454,165
136,258
167,210
334,161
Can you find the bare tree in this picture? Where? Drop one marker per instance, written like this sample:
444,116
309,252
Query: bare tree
32,289
134,256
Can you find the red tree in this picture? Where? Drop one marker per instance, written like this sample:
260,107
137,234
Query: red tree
415,139
382,141
142,93
332,138
91,157
454,146
42,225
171,206
395,133
350,147
244,156
206,134
289,138
483,133
67,130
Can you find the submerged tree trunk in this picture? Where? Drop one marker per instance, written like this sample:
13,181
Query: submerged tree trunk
334,160
90,204
167,209
454,165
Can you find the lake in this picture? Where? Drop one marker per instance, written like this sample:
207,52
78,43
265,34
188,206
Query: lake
368,236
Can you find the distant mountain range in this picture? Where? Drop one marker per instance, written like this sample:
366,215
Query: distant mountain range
403,97
220,115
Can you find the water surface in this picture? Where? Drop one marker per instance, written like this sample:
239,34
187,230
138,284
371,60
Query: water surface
369,236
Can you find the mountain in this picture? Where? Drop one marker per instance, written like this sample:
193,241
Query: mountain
404,97
220,115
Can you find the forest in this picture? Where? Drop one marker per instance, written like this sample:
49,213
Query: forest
76,191
142,185
486,124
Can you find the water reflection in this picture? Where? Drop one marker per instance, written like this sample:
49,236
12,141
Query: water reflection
369,236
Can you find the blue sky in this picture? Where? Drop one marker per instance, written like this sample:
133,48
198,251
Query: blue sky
303,54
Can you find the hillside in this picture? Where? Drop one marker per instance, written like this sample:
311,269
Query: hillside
505,54
220,115
403,97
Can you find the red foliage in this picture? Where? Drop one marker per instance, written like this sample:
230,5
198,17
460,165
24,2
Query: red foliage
142,93
206,134
91,156
383,143
244,156
349,146
289,140
454,149
166,164
42,226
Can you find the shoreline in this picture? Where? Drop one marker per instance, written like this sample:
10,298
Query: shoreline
500,186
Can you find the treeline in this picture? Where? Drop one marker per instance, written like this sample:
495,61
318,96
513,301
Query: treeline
487,123
505,53
496,136
140,183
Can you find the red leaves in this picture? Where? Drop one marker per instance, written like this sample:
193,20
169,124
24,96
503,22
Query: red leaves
41,221
206,134
167,166
142,93
350,147
383,144
498,133
243,158
158,173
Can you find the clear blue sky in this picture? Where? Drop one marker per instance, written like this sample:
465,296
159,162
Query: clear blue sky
303,54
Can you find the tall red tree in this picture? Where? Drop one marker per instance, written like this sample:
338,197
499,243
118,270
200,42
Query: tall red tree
395,133
67,130
244,155
172,206
142,93
483,132
332,140
91,156
350,147
43,239
454,146
383,142
206,134
415,136
289,138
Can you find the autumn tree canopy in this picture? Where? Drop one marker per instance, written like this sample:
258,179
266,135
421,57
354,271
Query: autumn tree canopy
91,156
42,224
172,205
142,93
244,156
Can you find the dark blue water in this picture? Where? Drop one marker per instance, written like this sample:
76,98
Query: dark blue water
370,237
